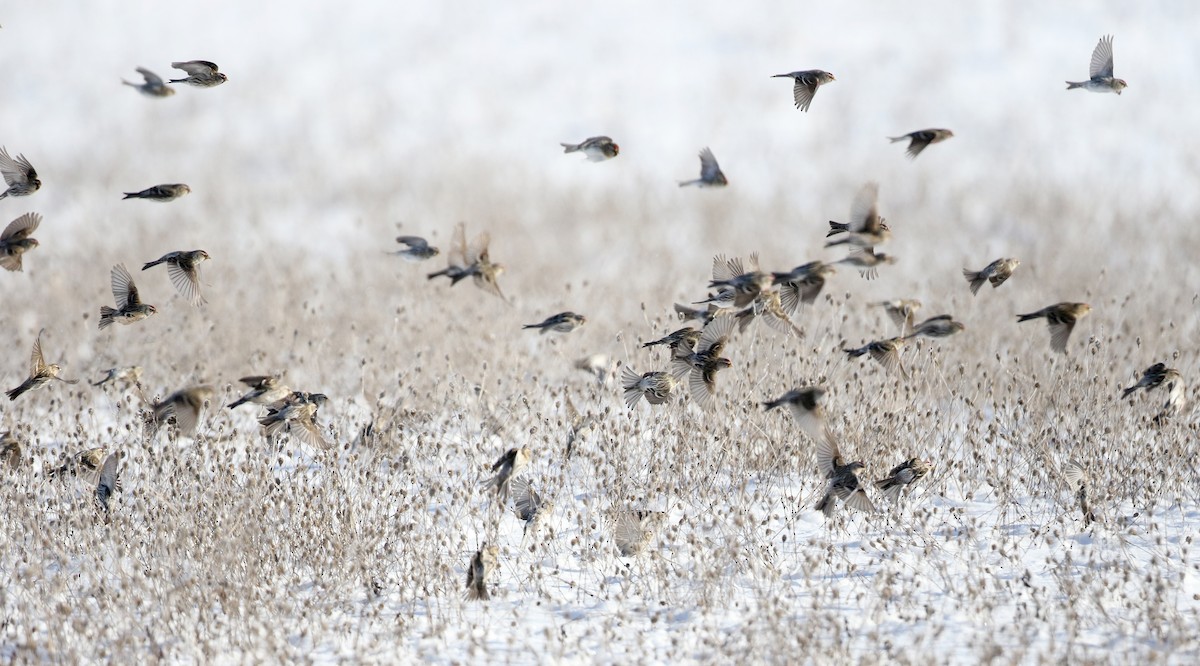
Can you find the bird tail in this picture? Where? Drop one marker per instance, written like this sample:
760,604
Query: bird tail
444,271
1129,390
130,84
836,228
685,183
151,264
894,139
16,393
1071,85
826,505
569,147
974,279
129,195
771,404
106,316
840,241
240,401
1027,317
855,353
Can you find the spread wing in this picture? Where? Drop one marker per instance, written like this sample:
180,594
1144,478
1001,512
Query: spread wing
1102,59
186,281
195,67
21,228
708,165
124,291
864,213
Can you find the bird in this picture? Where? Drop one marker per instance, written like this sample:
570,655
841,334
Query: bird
768,307
182,268
1077,480
737,286
632,530
802,284
185,405
921,139
563,322
40,372
84,462
1100,71
160,193
867,261
1061,317
10,449
580,425
701,366
472,261
15,241
843,480
805,406
418,249
130,307
865,228
529,505
885,352
657,387
996,272
483,564
1160,375
597,148
902,311
941,326
131,374
702,315
597,365
200,73
108,484
807,82
836,228
506,467
710,172
264,390
20,175
153,85
681,342
902,476
289,416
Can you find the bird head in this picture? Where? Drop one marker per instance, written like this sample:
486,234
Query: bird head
1118,85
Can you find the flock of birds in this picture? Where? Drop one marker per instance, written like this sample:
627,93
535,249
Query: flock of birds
741,293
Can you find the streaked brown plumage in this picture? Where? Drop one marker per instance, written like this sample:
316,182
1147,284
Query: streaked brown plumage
1062,318
15,241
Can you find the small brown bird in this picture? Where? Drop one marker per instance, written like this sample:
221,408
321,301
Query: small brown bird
657,387
902,311
20,175
418,249
805,406
803,284
702,315
865,228
130,375
843,480
1160,375
295,418
1100,71
264,390
597,148
108,484
10,449
129,308
885,352
921,139
482,566
941,326
563,322
768,308
200,73
710,172
153,85
741,285
529,505
183,269
599,366
807,82
506,467
472,261
15,240
701,367
633,530
996,272
1077,480
681,342
85,462
40,373
1061,317
902,476
185,405
160,193
867,261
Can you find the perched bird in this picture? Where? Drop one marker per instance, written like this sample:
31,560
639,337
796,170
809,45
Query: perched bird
296,418
633,530
710,172
768,308
84,462
1160,375
597,148
563,322
805,406
472,261
185,405
15,240
183,269
996,272
867,261
738,287
843,480
803,284
40,373
921,139
129,308
941,326
483,564
529,505
160,193
657,387
902,311
806,85
506,467
264,390
200,73
418,249
108,485
1077,481
902,476
1100,71
153,85
885,352
10,449
131,375
19,174
701,367
1061,317
681,342
865,228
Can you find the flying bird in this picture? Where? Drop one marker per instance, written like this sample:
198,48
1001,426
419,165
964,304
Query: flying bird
701,367
710,172
295,418
418,249
941,326
264,390
129,308
921,139
131,375
200,73
15,241
483,564
40,372
803,284
996,272
185,405
656,387
806,84
902,311
160,193
885,352
563,322
108,484
529,505
183,269
1160,375
902,476
805,407
865,228
153,85
867,261
1062,318
472,261
1100,71
633,530
19,174
843,480
737,286
506,467
681,342
597,148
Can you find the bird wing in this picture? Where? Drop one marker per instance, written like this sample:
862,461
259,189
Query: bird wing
414,242
36,361
15,171
708,165
1074,474
1060,332
864,213
715,331
858,499
186,415
21,228
150,77
1102,59
803,92
702,385
186,281
827,453
196,67
124,290
888,355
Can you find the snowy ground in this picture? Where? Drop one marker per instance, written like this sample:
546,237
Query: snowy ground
345,124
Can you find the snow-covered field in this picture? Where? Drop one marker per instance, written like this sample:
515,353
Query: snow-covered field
343,125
